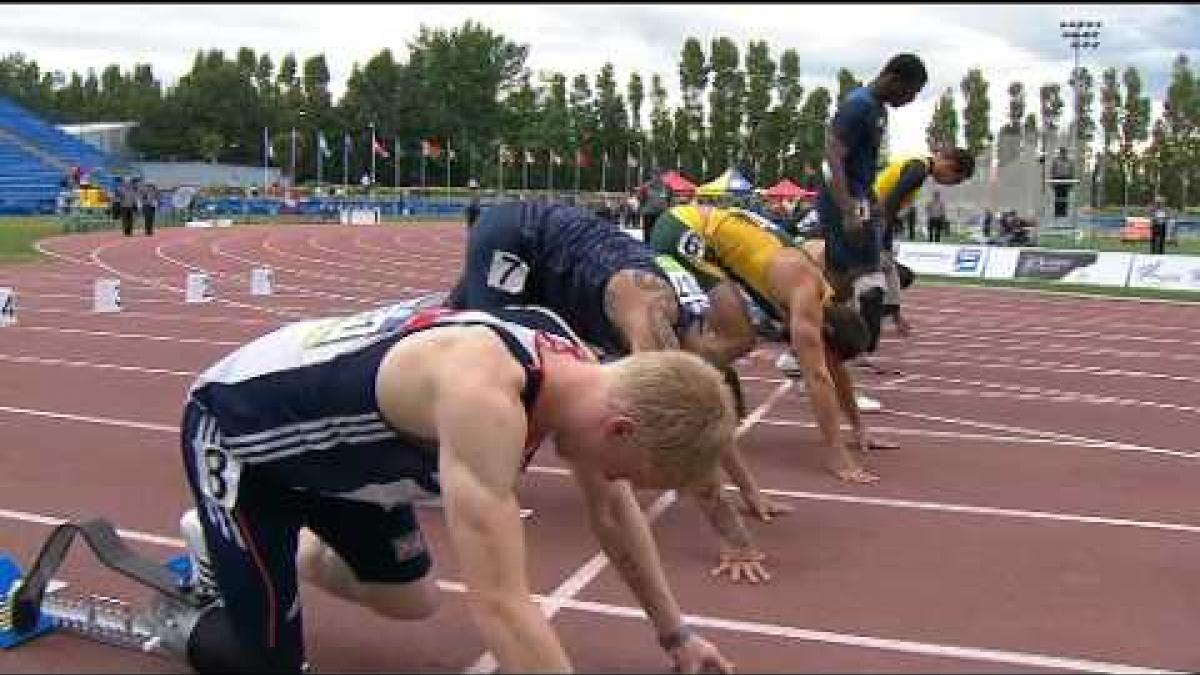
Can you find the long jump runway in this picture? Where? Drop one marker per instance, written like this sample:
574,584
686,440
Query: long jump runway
1040,516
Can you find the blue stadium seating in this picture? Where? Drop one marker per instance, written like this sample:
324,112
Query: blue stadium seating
29,182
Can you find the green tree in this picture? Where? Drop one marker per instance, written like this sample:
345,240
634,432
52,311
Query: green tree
847,83
662,143
583,129
689,128
814,121
725,104
760,79
943,126
1016,107
1051,102
976,122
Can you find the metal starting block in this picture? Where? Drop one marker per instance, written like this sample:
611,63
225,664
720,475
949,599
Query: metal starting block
33,605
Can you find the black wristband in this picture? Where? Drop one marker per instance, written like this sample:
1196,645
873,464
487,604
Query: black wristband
675,639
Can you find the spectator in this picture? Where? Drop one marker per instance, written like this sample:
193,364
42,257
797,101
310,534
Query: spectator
149,198
655,198
473,207
987,225
1159,220
126,203
909,218
631,209
935,213
1061,168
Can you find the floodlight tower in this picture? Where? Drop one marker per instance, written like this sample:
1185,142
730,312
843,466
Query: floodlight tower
1080,35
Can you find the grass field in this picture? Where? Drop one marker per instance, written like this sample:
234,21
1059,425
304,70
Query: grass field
17,235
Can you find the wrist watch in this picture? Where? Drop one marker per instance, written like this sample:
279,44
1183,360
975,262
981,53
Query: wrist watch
675,639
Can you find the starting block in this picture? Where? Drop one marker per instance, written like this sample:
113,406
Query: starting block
198,288
33,605
8,307
262,281
106,296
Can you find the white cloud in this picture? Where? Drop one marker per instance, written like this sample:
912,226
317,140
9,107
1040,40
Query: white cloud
1015,42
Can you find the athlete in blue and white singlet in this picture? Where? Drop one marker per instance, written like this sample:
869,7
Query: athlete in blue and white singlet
286,432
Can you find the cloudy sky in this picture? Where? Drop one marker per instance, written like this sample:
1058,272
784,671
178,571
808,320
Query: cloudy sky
1008,42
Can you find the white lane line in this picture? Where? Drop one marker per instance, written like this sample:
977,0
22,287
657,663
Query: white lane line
1006,657
996,362
946,507
576,581
86,419
887,644
1068,294
127,336
957,435
1083,440
88,364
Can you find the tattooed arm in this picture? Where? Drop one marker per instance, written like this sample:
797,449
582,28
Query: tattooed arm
644,307
739,556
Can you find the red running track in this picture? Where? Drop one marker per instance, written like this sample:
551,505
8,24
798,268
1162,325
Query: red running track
1040,515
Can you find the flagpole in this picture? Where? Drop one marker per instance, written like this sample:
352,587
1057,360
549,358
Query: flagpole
266,159
293,159
395,161
372,155
525,169
320,157
449,158
604,172
550,172
346,161
424,151
500,165
577,162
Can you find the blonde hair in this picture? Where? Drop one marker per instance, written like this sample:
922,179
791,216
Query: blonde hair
683,407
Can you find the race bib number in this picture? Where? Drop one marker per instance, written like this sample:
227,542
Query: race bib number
362,325
8,307
691,245
691,296
220,473
508,272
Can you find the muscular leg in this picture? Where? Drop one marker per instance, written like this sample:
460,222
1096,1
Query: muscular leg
321,566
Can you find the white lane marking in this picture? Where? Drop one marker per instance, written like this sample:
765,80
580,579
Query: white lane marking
1007,657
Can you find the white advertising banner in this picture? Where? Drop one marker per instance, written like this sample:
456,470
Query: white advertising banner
942,259
1178,272
1072,267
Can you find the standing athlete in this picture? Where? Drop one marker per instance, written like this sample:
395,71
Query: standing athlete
848,205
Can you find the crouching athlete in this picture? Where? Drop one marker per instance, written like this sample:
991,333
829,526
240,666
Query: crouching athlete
304,448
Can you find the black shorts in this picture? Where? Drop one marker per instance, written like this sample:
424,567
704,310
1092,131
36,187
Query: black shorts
252,545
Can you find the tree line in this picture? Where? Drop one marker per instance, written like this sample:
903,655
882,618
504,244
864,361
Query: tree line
458,101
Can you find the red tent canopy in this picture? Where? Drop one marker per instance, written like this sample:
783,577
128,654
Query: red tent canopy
678,183
786,189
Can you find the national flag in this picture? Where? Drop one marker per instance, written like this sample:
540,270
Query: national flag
632,161
582,159
431,148
506,156
322,145
555,159
378,148
528,157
